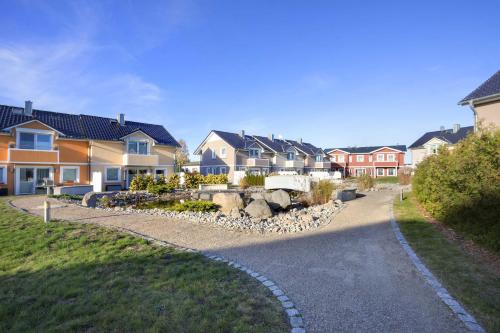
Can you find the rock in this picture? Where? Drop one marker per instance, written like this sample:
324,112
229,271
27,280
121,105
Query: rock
205,196
228,201
279,200
90,199
259,209
258,196
289,182
235,213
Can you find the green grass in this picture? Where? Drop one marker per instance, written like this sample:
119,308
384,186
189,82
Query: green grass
67,196
475,287
387,180
66,277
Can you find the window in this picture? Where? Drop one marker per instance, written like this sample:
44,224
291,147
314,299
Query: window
254,153
209,170
360,172
390,157
223,152
341,158
160,173
380,171
223,170
350,158
370,158
380,157
319,158
290,156
3,175
36,141
214,156
333,158
112,174
137,147
70,174
360,158
391,172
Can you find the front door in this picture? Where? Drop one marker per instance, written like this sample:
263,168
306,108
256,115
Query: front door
26,180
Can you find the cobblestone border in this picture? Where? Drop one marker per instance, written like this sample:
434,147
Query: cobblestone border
294,317
462,314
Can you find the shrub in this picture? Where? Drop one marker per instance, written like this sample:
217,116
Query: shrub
141,182
193,179
194,206
66,196
404,176
173,181
322,192
215,179
254,180
105,201
160,188
365,182
461,187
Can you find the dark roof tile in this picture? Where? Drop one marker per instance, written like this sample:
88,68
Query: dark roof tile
366,150
445,135
487,88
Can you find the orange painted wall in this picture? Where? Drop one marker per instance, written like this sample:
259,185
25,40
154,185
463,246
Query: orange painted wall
72,151
4,145
28,156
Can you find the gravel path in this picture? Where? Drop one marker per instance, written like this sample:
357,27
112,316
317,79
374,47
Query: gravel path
349,276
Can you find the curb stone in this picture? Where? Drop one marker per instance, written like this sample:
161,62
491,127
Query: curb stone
294,317
467,319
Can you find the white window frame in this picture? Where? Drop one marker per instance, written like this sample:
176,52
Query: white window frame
214,154
380,157
319,158
3,172
208,170
370,158
222,170
292,154
360,158
393,171
137,141
61,175
356,171
254,149
223,152
341,158
35,132
333,158
160,169
391,158
378,173
350,158
106,180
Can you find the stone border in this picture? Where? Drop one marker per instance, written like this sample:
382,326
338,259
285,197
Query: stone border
294,317
467,319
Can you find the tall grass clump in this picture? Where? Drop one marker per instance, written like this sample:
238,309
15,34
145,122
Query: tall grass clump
322,192
365,182
252,180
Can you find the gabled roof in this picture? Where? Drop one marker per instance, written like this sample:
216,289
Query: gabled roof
235,140
366,150
488,88
445,135
85,126
276,145
306,148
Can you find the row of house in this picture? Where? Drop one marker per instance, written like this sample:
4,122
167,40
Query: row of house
39,147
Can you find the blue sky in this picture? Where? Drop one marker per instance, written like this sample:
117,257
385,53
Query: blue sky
336,73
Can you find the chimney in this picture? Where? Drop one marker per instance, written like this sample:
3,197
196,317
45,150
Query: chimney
121,119
456,128
300,140
28,108
242,133
271,137
441,128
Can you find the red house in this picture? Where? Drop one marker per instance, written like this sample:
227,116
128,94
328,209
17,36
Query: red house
377,161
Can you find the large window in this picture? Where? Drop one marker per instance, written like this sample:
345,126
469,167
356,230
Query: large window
390,157
360,158
380,172
333,158
254,153
214,155
391,172
36,141
70,174
380,157
223,152
290,156
138,147
3,175
112,174
341,158
319,158
160,173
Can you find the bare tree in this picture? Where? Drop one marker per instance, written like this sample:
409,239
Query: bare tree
181,155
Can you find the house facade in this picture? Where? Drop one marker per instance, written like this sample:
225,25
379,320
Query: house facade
484,102
226,152
429,143
43,147
376,161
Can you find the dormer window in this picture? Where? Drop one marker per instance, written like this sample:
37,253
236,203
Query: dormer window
254,153
290,156
34,140
138,147
319,158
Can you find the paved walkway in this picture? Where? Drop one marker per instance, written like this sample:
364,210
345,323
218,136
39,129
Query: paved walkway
349,276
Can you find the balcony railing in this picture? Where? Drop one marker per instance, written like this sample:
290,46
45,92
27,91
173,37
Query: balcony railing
323,165
294,164
33,156
257,162
141,160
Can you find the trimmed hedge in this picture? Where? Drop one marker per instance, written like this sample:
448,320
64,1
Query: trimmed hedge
193,179
252,180
461,187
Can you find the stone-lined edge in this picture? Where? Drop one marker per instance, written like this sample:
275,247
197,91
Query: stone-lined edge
467,319
295,318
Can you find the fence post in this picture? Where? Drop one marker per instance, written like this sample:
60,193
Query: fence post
46,211
401,196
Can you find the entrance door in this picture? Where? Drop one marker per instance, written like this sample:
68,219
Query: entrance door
26,180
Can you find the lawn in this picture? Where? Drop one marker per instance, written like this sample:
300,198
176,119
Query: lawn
67,277
386,180
472,283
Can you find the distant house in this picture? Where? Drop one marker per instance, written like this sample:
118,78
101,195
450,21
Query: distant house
226,152
377,161
429,143
484,102
193,166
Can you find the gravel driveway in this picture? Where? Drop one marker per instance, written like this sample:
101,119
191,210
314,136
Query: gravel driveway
349,276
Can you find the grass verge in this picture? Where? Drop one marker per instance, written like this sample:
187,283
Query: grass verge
387,180
66,277
471,283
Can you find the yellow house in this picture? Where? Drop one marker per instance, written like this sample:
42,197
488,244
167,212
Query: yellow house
484,102
39,148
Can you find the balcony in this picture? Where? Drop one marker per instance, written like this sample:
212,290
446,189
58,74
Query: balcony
323,165
258,162
294,164
141,160
33,156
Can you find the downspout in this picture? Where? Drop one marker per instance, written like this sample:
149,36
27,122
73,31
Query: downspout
471,106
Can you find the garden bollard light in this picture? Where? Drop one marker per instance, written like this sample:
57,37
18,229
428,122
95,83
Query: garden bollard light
46,212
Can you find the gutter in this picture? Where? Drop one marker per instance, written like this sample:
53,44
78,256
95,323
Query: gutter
484,99
471,106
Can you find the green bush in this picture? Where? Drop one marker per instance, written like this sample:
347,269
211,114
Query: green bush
194,206
461,187
193,179
160,188
141,182
252,180
322,192
105,201
365,182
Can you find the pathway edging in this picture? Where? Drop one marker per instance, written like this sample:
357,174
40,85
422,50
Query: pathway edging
294,316
467,319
